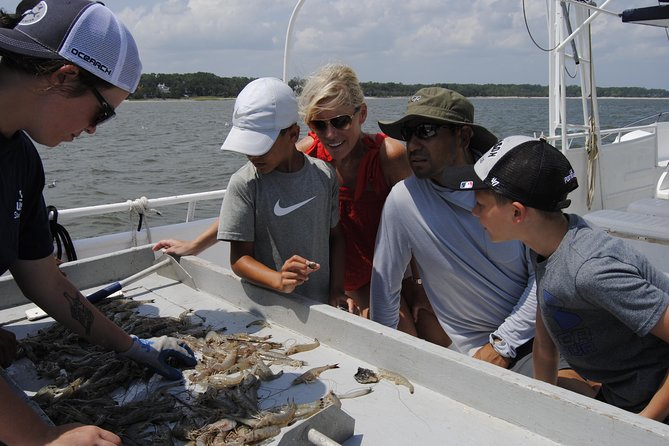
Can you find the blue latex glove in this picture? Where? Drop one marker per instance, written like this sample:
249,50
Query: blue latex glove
155,352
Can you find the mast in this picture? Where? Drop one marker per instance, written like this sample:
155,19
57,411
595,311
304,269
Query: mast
569,29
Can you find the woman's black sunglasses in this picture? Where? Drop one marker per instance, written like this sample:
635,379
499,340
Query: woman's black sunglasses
421,131
341,122
107,111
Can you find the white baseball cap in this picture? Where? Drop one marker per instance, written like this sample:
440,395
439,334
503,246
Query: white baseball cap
263,108
85,33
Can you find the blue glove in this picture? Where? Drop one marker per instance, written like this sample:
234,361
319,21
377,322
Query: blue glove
155,352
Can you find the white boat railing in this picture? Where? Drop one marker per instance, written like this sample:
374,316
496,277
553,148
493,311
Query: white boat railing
583,132
143,204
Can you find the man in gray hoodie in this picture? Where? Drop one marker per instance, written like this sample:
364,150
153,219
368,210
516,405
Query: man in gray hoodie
482,293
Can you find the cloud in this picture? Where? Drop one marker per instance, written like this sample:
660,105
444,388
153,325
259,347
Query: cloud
410,41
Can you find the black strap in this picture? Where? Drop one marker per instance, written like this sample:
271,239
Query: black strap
60,236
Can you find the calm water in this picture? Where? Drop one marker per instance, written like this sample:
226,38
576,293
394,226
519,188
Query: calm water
163,148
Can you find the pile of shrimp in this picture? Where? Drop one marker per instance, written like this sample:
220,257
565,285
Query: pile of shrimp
218,405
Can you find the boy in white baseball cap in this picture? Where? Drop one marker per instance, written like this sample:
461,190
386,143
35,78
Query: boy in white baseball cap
601,304
280,212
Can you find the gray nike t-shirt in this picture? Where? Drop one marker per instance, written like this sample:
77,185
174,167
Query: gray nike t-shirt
285,214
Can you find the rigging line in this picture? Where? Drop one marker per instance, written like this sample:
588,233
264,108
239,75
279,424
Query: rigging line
529,33
572,76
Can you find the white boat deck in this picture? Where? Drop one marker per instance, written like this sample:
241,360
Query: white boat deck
457,400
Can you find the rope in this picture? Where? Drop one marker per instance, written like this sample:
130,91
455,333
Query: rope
140,207
60,236
592,141
592,149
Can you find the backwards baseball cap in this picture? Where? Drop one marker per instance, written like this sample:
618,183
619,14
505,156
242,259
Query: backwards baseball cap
83,32
521,168
441,105
262,109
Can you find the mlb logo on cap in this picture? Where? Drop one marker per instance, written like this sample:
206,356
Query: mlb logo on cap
520,168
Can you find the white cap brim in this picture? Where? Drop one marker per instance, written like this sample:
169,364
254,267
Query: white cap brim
249,142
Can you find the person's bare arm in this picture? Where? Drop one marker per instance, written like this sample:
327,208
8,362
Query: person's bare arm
19,424
294,272
544,353
394,161
42,282
190,247
488,353
337,249
304,144
658,407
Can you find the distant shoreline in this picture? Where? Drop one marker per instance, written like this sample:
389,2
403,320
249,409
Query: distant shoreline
213,98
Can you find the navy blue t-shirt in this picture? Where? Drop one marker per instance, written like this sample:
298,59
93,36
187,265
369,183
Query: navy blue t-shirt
24,223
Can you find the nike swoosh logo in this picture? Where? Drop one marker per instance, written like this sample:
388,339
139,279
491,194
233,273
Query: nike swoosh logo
281,211
239,114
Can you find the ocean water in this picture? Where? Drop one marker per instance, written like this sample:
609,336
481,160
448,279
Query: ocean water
162,148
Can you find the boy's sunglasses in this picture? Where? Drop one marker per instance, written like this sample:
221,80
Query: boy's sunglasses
341,122
107,111
421,131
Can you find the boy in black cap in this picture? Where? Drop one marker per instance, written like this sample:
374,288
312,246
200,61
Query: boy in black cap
599,301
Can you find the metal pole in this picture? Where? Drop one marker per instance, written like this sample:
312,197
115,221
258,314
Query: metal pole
320,439
289,34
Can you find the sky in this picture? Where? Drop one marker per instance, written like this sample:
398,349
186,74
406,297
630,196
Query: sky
407,41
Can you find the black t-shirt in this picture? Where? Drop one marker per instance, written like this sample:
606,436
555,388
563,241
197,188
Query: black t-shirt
24,223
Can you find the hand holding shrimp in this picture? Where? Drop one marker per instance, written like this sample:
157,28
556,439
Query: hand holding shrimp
295,272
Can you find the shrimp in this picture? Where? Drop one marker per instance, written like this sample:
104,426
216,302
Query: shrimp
257,435
264,372
224,381
298,348
396,378
280,358
306,410
367,376
229,361
311,375
277,418
262,323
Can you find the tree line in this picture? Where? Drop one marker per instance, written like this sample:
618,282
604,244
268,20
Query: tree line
199,85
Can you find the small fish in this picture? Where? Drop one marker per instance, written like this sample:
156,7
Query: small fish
366,376
311,375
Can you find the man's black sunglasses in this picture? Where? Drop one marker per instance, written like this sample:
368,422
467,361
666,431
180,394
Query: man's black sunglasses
107,111
341,122
421,131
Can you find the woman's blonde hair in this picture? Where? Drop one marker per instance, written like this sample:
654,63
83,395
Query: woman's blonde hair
332,86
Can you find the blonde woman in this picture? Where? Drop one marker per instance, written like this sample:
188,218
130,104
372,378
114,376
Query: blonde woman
333,105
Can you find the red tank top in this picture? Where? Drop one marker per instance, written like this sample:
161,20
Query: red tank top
359,210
